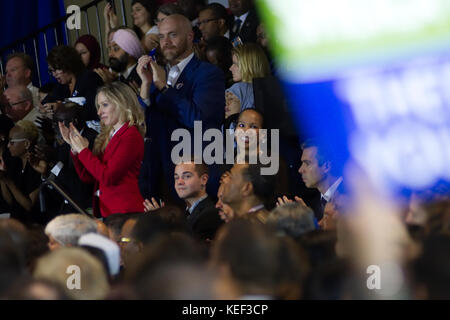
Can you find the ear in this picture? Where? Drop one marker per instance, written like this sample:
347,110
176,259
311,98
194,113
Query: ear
27,144
326,167
190,36
28,74
204,179
247,189
29,105
222,22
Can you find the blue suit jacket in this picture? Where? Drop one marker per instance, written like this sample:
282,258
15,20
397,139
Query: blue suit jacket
199,94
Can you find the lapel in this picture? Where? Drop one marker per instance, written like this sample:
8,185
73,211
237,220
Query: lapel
114,142
188,72
197,211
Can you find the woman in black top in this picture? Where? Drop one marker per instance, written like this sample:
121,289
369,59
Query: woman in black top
19,182
74,81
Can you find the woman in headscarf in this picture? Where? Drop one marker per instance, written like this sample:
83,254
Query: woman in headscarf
89,50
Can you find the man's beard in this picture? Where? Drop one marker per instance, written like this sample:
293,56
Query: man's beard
119,65
175,52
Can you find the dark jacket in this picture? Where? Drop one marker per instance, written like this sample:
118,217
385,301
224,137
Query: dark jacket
204,221
198,95
86,86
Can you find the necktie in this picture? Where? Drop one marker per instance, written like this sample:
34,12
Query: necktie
173,74
237,26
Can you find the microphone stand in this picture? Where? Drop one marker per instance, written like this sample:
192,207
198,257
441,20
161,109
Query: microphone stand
51,182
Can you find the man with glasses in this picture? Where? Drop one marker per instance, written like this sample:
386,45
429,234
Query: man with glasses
213,21
20,104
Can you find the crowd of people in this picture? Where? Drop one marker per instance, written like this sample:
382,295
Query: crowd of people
88,178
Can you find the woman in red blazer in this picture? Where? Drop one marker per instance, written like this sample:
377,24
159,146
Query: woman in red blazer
115,161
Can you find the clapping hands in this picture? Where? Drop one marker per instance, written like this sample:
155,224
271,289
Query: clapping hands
73,137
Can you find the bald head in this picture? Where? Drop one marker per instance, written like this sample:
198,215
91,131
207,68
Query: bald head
176,38
179,20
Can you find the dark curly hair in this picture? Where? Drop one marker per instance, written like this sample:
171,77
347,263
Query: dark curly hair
150,6
65,58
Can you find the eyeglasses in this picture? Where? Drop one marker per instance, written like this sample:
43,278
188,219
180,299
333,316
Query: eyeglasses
54,71
16,103
200,22
12,141
126,240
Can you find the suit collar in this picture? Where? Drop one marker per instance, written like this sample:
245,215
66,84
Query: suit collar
189,69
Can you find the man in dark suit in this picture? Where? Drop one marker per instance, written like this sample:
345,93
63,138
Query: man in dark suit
187,90
246,20
321,169
247,191
203,218
124,50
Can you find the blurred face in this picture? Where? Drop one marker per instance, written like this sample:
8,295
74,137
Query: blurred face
160,18
235,70
18,108
188,184
209,25
232,104
53,244
312,173
239,7
84,53
107,112
118,58
18,144
261,37
2,162
248,126
175,43
63,77
225,211
16,73
231,194
140,15
128,246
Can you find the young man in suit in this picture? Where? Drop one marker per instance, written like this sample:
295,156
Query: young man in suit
185,90
190,184
246,20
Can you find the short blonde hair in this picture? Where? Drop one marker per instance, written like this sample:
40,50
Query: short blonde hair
93,279
252,61
127,104
29,129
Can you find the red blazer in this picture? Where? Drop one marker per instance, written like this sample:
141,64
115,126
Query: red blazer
115,172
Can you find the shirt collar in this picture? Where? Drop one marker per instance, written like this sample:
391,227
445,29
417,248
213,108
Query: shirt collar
242,18
128,71
196,202
331,190
227,34
115,131
183,63
256,208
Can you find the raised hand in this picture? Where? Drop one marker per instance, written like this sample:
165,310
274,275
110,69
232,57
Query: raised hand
159,75
143,70
77,141
106,75
152,205
65,132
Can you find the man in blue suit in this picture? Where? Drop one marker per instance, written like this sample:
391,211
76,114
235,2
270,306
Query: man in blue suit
186,90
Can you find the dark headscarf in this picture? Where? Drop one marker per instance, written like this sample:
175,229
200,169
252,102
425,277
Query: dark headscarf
93,46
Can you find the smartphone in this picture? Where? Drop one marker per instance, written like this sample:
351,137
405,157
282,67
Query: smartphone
153,54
